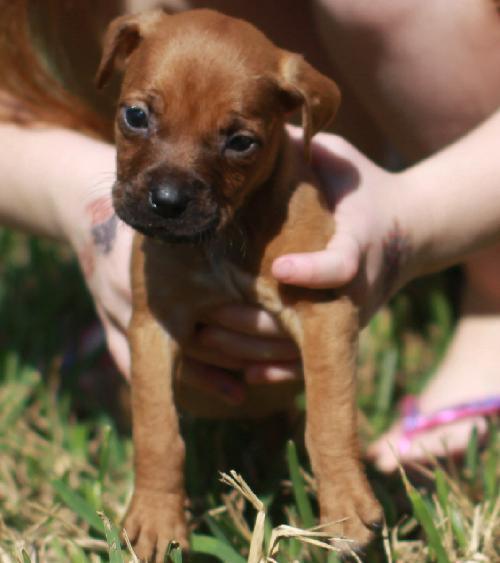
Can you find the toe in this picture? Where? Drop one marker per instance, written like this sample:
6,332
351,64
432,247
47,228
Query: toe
385,452
393,448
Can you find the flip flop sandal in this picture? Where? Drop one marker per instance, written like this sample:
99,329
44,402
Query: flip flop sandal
414,422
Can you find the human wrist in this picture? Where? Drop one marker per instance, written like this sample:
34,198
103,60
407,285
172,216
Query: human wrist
453,198
47,176
408,242
89,168
441,221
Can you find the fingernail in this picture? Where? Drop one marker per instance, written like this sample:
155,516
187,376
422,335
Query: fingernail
283,268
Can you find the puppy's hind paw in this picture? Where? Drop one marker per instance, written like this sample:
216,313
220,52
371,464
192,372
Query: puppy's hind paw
153,520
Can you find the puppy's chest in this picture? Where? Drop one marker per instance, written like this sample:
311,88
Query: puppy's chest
183,285
222,280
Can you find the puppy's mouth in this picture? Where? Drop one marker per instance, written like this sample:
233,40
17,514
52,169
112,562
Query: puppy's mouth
195,234
195,223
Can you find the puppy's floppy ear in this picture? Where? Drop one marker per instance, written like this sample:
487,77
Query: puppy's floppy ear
121,38
302,85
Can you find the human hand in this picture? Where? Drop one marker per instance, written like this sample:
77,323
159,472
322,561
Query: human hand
105,262
246,339
369,257
103,243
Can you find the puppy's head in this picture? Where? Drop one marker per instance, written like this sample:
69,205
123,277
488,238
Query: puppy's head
200,118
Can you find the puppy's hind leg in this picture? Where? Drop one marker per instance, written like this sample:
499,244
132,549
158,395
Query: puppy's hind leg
156,512
329,346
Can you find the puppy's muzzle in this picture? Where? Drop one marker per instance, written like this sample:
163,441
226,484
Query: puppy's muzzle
169,206
169,200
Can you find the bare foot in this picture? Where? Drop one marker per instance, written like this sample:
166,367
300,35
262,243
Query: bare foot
468,373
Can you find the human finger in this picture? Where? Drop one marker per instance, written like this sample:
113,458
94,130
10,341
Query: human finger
246,319
333,267
214,381
118,347
245,347
259,373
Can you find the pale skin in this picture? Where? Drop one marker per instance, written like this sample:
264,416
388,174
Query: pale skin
434,205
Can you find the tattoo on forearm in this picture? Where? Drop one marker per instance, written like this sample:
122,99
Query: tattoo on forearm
103,224
104,234
396,248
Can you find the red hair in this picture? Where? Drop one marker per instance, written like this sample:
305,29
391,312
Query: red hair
30,93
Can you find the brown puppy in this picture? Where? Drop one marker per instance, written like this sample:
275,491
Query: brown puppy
207,174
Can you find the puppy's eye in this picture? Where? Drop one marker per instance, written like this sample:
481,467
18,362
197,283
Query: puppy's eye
136,117
242,144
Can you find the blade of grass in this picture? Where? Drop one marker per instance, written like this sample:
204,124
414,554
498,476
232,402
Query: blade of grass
13,404
77,555
79,505
424,517
299,491
78,440
215,529
113,539
173,553
472,455
442,313
294,546
104,451
386,382
59,550
457,526
442,489
216,548
11,366
491,465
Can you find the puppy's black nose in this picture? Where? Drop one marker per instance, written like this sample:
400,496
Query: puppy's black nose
168,200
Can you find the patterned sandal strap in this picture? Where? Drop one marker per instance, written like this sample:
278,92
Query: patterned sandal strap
414,422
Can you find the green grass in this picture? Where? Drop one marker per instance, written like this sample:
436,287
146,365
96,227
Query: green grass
65,461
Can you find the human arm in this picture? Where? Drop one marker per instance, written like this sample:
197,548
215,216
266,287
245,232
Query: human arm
57,183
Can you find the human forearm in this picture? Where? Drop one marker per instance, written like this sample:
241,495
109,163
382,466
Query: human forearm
453,200
48,176
393,227
57,183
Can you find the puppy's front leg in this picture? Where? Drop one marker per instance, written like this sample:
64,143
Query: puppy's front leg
329,346
156,512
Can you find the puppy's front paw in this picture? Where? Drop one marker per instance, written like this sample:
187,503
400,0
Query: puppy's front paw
152,521
350,509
